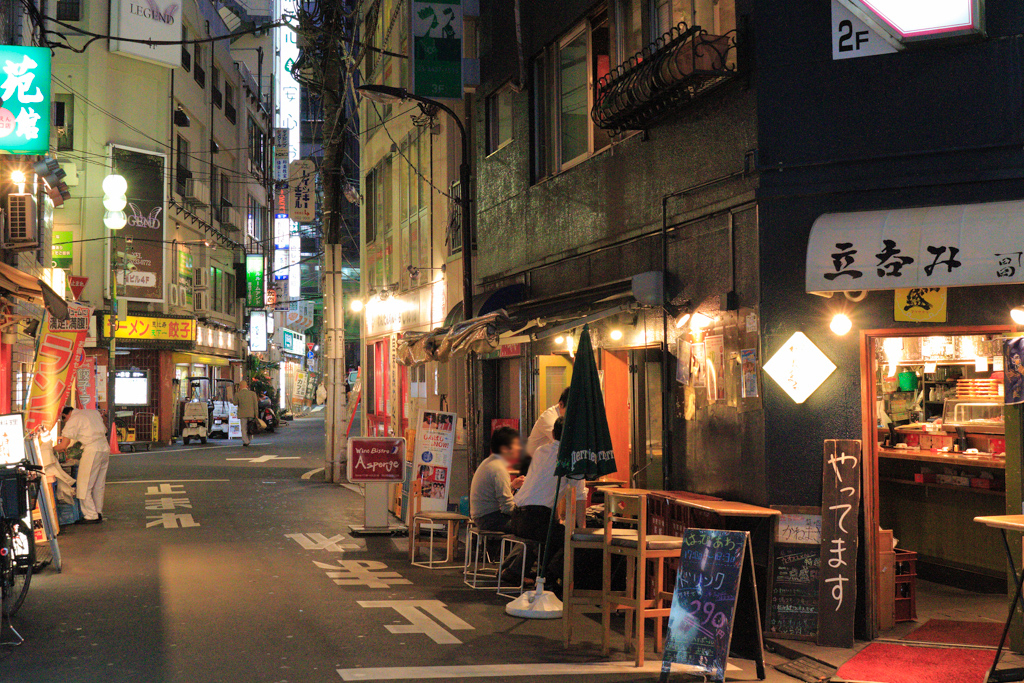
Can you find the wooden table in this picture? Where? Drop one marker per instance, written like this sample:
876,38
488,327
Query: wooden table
1006,523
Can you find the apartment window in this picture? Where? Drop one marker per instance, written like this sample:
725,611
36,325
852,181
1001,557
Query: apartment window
69,10
218,98
564,76
229,102
181,171
370,197
198,73
216,289
256,219
257,147
498,109
64,121
717,17
186,56
229,293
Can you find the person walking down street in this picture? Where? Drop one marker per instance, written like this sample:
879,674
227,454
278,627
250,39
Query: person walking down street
490,495
86,427
248,408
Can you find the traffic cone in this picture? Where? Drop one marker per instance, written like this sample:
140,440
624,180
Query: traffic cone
114,450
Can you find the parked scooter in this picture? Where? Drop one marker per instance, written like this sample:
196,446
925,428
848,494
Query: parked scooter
267,414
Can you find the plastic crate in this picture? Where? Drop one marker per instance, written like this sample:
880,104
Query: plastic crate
906,585
13,495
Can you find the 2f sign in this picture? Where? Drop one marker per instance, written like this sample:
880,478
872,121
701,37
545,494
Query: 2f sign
851,37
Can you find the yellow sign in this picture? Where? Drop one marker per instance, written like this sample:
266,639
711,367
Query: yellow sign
152,329
924,305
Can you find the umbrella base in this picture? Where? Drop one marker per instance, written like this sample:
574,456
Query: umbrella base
536,604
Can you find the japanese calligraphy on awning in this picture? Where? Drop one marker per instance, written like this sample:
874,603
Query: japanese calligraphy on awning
941,246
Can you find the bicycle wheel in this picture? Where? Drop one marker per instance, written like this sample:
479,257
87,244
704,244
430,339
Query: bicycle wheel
17,553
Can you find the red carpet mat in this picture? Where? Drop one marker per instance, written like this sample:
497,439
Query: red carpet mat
885,663
981,633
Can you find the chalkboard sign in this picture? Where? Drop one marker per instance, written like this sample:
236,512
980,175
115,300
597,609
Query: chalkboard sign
714,595
799,527
840,532
793,602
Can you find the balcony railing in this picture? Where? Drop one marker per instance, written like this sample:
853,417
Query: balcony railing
676,68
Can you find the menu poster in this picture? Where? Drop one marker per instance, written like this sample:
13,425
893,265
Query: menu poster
715,348
794,574
698,365
1013,370
840,508
12,439
683,362
748,365
432,460
715,595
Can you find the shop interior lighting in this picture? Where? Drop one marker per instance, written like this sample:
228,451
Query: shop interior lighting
616,335
1017,315
559,339
841,324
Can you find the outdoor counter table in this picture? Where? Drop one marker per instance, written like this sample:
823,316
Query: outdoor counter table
1006,523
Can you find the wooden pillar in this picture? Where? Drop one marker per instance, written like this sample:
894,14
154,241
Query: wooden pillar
1014,423
166,404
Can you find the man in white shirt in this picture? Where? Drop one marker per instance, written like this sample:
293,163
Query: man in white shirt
535,501
86,426
541,434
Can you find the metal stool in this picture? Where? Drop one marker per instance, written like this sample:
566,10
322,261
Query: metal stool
480,570
510,541
452,521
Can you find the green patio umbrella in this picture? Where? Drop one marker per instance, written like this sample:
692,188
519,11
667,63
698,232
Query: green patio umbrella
584,452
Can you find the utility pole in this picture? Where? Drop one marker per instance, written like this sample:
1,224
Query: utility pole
321,25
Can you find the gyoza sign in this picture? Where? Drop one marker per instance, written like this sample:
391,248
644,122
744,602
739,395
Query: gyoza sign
942,246
906,21
25,91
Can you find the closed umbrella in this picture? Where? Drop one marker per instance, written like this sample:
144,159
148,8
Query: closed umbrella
584,452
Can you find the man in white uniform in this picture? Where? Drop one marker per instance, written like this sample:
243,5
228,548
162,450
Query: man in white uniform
86,426
541,435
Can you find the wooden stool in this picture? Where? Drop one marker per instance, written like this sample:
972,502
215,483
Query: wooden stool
629,506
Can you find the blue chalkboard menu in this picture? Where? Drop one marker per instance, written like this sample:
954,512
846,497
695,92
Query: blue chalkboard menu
714,584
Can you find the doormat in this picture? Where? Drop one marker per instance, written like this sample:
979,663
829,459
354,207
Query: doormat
979,633
885,663
807,669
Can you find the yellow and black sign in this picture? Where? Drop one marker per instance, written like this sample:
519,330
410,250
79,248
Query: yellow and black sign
922,305
149,328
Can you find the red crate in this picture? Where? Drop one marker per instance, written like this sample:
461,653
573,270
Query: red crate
906,585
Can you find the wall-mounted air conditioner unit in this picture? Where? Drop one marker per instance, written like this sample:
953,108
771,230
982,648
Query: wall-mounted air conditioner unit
200,279
175,295
20,228
200,301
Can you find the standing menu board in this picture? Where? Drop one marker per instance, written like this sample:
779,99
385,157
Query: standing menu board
432,459
793,575
840,533
714,605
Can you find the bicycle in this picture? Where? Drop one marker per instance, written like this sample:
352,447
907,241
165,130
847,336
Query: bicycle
17,539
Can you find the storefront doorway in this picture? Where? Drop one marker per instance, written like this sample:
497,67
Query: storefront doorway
935,459
632,394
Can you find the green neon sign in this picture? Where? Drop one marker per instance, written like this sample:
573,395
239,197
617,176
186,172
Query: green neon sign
25,92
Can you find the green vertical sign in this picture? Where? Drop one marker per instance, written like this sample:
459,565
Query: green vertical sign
437,48
25,91
254,274
62,252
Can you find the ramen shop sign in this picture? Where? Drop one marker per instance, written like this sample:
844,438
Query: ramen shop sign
907,21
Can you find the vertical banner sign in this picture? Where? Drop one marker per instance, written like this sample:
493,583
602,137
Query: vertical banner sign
257,331
25,91
142,239
301,191
254,281
281,154
63,251
437,48
840,509
432,459
85,381
59,346
185,275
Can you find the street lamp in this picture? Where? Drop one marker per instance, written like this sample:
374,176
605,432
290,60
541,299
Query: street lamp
385,94
115,199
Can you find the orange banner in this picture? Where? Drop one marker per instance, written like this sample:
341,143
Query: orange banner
60,346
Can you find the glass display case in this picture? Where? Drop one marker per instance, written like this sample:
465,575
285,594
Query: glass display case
982,415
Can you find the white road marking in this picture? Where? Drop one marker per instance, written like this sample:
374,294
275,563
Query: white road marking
408,673
421,621
309,474
166,490
369,573
320,542
190,449
168,503
160,481
267,458
170,520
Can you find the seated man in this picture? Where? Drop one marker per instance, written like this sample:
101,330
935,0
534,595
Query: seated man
490,495
534,503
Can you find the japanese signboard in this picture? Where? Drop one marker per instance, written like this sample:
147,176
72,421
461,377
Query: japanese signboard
939,246
920,305
62,253
299,315
293,342
1013,371
437,48
851,37
905,22
185,275
799,367
12,439
840,507
85,383
142,239
299,390
281,154
60,345
432,459
255,284
149,328
257,331
158,20
376,459
302,191
77,283
25,91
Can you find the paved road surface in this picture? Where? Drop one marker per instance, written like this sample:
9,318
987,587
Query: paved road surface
212,568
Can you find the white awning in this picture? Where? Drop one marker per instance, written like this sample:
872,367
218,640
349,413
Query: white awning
939,246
